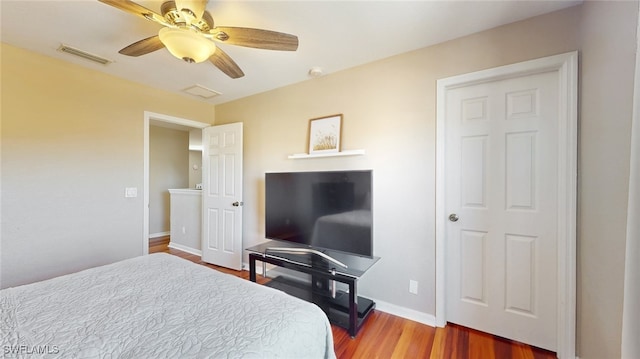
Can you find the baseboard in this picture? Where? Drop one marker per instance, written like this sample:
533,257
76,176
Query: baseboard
405,313
158,235
183,248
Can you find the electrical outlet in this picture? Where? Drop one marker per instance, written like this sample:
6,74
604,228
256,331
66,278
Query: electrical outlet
413,286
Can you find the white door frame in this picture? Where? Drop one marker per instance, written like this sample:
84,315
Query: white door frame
567,67
149,118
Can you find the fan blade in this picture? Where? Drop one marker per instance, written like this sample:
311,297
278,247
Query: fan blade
208,19
226,64
256,38
143,47
135,9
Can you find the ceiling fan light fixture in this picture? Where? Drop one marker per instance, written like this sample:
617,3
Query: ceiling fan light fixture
186,44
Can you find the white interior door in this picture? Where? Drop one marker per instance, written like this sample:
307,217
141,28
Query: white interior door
222,195
502,197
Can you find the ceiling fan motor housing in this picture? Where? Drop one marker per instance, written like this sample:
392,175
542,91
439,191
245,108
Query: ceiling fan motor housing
186,17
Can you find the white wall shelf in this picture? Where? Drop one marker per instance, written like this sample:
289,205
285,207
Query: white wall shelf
298,156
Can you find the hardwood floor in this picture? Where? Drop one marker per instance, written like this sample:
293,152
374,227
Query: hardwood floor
387,336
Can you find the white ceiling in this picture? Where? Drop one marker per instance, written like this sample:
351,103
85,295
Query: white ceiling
334,35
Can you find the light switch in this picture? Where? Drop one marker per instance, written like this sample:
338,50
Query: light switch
131,192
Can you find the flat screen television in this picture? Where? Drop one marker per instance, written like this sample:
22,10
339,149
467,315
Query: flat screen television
321,210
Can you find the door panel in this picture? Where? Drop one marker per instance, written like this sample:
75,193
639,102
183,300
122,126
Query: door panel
521,274
473,286
501,175
520,170
230,235
222,195
212,232
473,168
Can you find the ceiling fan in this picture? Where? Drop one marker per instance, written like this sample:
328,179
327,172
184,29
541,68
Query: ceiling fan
189,34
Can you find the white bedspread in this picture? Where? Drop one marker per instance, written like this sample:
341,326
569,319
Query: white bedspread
158,306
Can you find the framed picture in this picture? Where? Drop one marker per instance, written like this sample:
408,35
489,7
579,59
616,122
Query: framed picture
324,134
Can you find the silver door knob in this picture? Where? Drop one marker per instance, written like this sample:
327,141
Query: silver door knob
237,204
453,217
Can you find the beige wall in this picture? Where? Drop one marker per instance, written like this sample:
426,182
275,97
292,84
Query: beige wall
195,174
389,110
168,168
72,140
608,45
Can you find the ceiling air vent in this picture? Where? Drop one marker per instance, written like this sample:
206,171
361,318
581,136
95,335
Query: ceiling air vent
83,54
201,91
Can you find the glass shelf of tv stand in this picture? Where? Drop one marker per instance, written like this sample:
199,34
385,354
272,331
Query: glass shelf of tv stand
356,265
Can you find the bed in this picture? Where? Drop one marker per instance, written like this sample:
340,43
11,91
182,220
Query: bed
158,306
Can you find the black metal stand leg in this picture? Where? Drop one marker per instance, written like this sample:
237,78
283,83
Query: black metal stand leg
353,310
252,268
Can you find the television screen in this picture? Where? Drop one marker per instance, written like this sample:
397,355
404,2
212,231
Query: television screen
330,209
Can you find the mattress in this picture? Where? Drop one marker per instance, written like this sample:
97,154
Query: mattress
158,306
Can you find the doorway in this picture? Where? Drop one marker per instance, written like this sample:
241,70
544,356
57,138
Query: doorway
155,119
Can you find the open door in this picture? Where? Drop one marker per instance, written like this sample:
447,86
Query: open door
222,195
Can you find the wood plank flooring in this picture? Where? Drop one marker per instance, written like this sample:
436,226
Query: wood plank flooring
387,336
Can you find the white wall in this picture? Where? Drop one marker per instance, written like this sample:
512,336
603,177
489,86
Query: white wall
186,219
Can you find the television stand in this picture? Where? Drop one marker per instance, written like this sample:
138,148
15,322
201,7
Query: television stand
305,250
344,309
